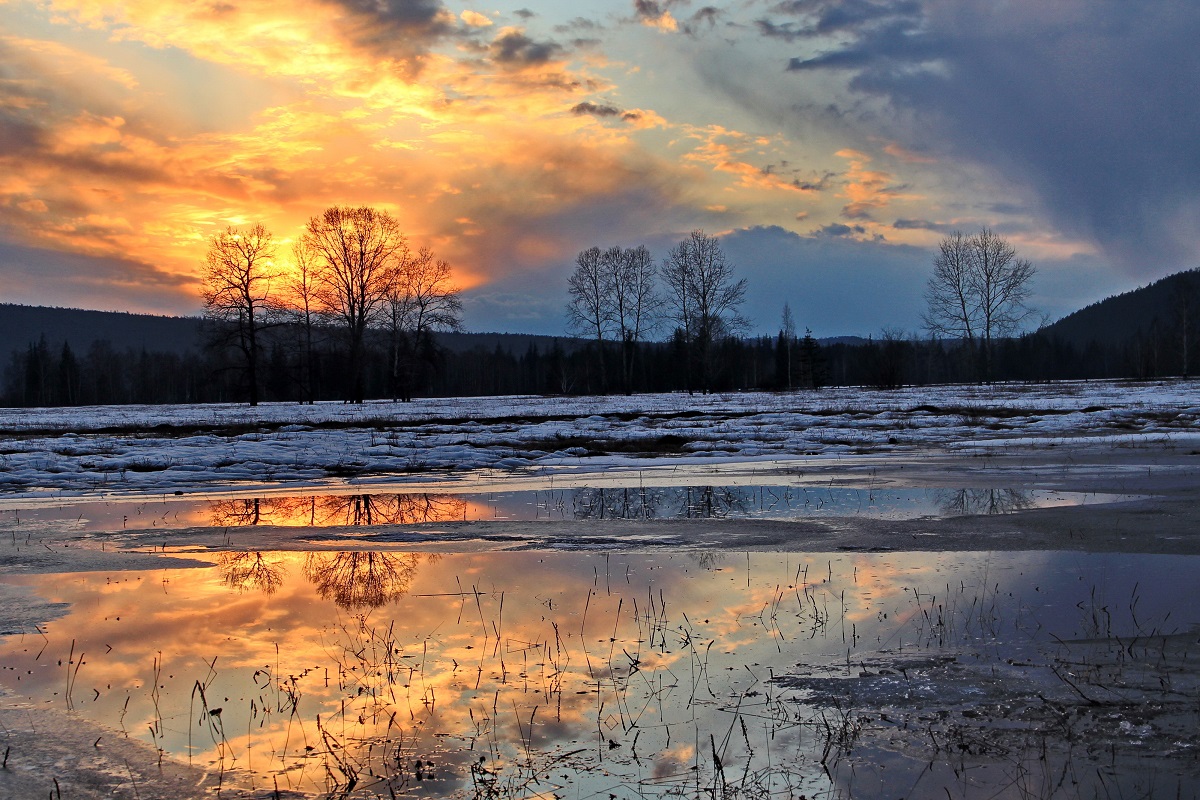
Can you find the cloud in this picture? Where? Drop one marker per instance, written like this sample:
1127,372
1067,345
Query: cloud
83,281
867,189
399,28
653,14
835,285
922,225
475,19
513,49
592,109
837,229
787,31
636,117
1090,105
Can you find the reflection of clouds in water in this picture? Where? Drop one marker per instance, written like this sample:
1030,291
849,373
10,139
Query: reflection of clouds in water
654,641
970,502
355,580
245,571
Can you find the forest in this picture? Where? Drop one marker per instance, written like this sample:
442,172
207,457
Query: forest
53,373
350,328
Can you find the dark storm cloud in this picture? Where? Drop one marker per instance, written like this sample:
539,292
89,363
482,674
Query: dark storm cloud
706,17
787,31
652,12
402,29
516,50
1091,105
838,229
648,9
584,109
823,17
604,112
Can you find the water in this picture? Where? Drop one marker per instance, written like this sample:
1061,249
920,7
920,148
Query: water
509,674
775,502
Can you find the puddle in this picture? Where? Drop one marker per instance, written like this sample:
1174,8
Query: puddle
595,675
774,502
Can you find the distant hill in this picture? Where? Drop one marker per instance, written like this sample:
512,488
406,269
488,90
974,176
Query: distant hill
516,343
22,325
1117,320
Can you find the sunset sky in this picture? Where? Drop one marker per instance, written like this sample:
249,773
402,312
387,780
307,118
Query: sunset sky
829,144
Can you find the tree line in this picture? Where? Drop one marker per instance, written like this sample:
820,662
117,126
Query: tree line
354,312
50,374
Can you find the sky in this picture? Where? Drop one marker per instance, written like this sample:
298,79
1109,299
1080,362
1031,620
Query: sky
830,145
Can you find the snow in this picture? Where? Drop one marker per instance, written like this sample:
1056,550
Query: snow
144,449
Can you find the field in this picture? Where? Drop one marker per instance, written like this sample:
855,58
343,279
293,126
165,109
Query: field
964,591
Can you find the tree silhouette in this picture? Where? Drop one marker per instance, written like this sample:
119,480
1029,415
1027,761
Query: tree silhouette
251,570
357,580
978,291
422,299
359,251
238,281
703,299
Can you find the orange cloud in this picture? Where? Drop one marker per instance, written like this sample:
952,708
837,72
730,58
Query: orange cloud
867,190
110,175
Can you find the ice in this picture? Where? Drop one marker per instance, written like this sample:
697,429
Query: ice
132,449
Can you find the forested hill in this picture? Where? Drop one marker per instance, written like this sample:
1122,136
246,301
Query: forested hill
1144,313
21,326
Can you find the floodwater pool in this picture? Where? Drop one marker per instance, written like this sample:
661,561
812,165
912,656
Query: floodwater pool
695,674
369,506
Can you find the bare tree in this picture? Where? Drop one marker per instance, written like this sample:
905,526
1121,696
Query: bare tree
978,291
703,300
359,251
302,297
951,308
783,347
588,310
238,276
614,297
634,301
422,299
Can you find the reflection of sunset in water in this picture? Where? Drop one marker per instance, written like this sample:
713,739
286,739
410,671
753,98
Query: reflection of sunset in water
619,671
337,510
675,501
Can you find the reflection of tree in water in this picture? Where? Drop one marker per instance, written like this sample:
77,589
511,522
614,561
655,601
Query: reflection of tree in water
707,559
391,509
243,571
615,504
693,502
970,502
239,512
708,502
356,580
353,509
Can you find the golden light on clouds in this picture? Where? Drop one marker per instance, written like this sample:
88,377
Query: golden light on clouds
507,139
